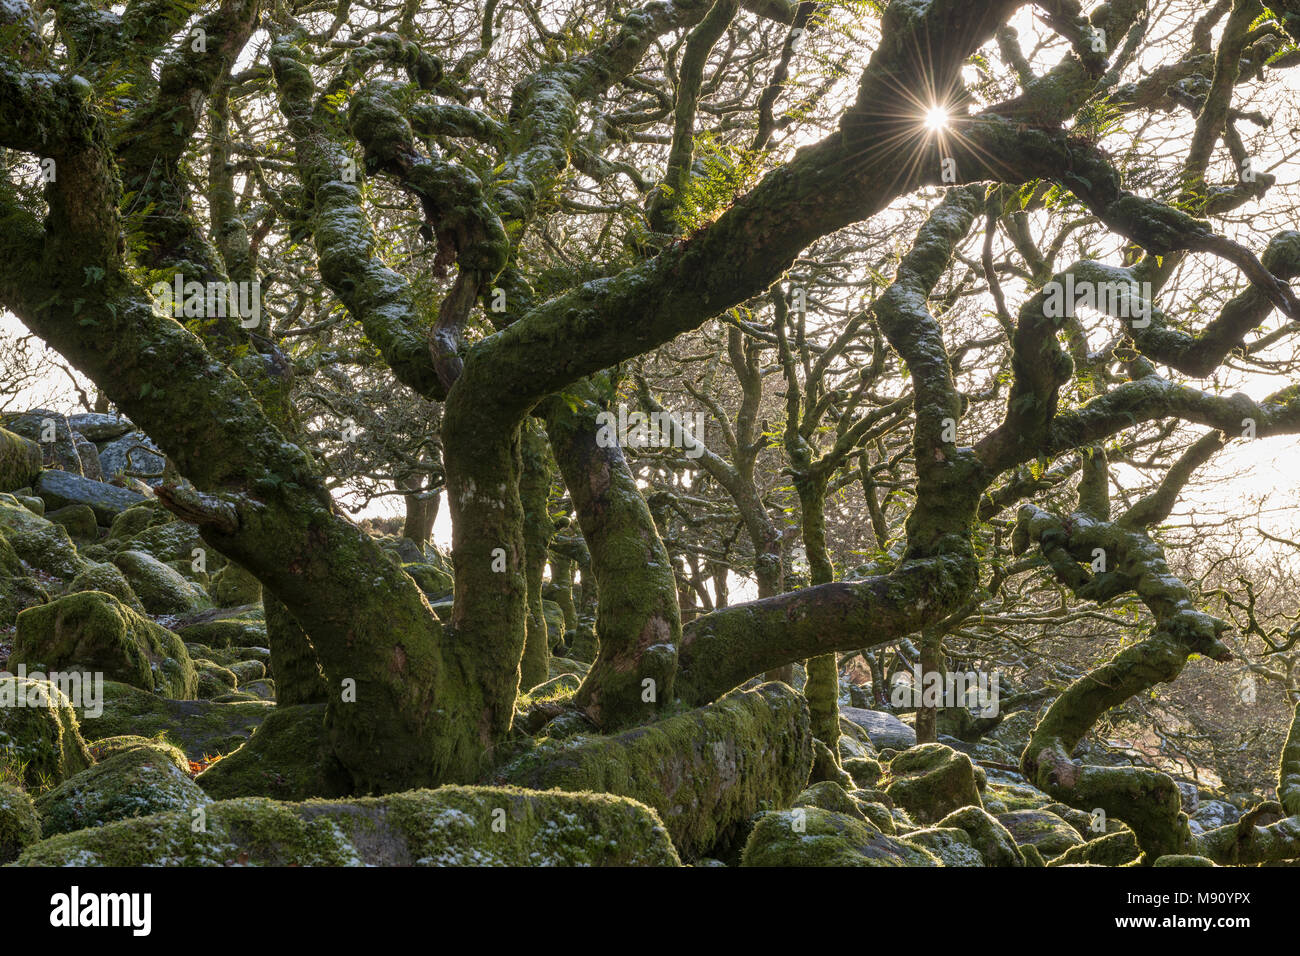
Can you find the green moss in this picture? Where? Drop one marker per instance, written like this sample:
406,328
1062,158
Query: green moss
828,795
94,632
134,782
161,589
39,735
1175,859
227,632
214,680
951,845
706,772
199,727
931,780
232,586
1113,849
20,461
993,841
136,519
78,520
864,771
812,836
286,758
109,579
451,826
19,824
1046,832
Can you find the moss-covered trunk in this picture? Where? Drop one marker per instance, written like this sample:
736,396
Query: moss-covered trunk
638,620
534,493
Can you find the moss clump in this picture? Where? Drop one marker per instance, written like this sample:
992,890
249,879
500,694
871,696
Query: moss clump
248,671
994,842
39,736
1113,849
94,632
865,771
162,590
451,826
199,727
173,541
19,824
18,589
49,549
706,772
286,758
430,578
811,836
931,781
134,782
1181,859
225,632
20,461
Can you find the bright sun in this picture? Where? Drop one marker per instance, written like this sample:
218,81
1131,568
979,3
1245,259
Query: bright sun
936,118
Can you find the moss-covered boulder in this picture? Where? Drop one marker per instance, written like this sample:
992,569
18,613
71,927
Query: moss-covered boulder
706,772
214,680
162,590
1113,849
148,778
20,461
951,845
430,578
286,758
811,836
239,630
201,728
40,740
233,586
19,589
1181,859
19,824
102,576
450,826
994,842
865,771
1046,832
137,518
79,520
95,632
174,541
829,795
931,781
49,549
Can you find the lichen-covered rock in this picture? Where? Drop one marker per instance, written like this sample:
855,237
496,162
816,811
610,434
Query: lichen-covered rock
994,842
19,824
1045,831
95,632
233,586
39,736
706,772
286,758
162,590
135,782
79,521
133,453
884,729
99,426
88,456
450,826
931,781
53,435
952,846
102,576
20,461
200,728
59,489
811,836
